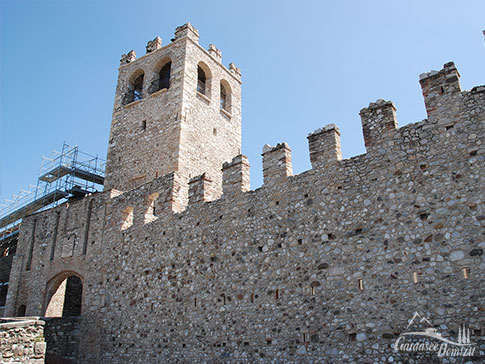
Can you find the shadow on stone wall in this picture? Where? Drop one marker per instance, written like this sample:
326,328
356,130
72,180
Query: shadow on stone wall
62,338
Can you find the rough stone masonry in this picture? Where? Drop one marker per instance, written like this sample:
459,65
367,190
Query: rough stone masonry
180,262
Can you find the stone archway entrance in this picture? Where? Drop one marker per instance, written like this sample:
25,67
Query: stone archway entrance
64,296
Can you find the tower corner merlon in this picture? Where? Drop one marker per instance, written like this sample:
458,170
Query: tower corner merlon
187,30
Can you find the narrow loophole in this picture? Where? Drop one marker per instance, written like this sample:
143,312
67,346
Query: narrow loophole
361,284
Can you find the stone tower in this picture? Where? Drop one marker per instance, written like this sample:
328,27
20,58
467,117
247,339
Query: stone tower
177,109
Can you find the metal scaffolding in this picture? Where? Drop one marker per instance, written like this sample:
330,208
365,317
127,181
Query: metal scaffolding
64,175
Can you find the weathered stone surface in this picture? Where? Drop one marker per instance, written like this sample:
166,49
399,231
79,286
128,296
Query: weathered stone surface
22,340
458,255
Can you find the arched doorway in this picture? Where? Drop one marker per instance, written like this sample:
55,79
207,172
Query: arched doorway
64,296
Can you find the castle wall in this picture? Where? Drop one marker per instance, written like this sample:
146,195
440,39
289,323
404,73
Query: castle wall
272,275
317,267
54,244
62,337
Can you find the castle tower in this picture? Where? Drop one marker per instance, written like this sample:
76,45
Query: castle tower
177,109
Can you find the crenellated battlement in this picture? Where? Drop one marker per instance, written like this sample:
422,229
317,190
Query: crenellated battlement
324,145
277,165
201,189
185,31
378,124
381,134
437,85
235,175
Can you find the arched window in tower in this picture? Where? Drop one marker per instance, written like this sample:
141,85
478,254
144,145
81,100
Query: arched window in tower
201,80
204,81
138,88
135,88
163,81
225,96
165,76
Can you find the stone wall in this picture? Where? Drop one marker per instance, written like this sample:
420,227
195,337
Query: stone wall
22,340
62,337
34,341
273,275
53,245
325,266
315,267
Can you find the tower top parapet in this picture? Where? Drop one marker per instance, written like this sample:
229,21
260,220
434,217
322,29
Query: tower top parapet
185,31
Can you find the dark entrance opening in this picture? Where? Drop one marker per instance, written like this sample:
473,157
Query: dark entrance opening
66,298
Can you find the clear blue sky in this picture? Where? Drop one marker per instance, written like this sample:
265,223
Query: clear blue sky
305,64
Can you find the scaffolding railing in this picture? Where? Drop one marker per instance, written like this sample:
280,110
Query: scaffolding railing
67,174
24,197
